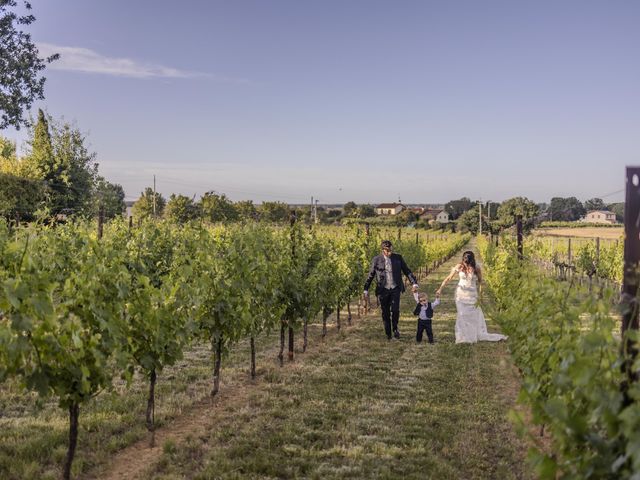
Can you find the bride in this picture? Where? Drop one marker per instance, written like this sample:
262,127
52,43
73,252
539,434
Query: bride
471,326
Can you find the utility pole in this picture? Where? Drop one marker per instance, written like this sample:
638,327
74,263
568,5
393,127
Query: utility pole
311,211
631,281
154,196
480,217
315,211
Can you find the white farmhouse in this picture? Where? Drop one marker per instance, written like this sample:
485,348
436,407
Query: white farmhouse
435,215
389,208
600,216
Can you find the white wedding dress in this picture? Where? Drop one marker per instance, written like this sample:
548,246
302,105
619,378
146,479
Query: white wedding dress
471,326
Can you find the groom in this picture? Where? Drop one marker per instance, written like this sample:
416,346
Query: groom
387,269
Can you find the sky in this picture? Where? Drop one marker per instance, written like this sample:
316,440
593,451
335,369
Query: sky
365,101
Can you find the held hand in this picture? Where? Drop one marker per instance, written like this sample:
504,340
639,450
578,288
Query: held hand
415,288
438,292
366,294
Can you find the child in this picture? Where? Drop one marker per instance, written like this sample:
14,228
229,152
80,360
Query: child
424,310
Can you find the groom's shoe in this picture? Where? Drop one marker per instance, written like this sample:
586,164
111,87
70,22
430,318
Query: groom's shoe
396,333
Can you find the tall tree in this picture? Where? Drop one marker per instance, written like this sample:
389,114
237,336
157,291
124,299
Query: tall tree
41,163
20,65
60,158
509,209
275,211
143,208
181,209
594,204
79,170
618,209
218,208
469,221
366,211
455,208
247,210
566,209
350,209
109,197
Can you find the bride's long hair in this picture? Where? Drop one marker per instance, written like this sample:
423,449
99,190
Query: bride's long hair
468,261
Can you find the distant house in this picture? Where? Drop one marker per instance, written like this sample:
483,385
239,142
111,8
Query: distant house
600,216
435,215
389,208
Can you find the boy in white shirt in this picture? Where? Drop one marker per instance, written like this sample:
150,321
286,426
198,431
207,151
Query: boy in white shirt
424,310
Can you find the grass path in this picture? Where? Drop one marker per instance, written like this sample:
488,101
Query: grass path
360,406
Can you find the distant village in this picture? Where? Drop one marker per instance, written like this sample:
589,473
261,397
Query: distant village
437,215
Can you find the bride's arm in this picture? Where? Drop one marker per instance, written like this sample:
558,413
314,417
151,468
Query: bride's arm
444,282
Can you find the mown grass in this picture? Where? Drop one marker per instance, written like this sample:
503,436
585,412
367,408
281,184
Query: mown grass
364,407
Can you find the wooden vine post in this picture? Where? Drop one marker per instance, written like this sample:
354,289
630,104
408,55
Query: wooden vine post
519,234
100,221
631,278
365,299
293,255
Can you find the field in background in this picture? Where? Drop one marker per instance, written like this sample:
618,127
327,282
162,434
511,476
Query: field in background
588,232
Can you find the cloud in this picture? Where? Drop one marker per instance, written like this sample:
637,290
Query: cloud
84,60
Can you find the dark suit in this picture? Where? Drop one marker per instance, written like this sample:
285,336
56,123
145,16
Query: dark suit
389,297
424,324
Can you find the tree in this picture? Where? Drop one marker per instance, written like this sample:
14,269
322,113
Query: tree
109,197
566,209
304,214
350,209
618,209
455,208
20,65
247,210
366,211
405,217
40,161
492,211
509,209
79,170
143,208
181,209
60,158
19,197
275,211
594,204
218,208
469,222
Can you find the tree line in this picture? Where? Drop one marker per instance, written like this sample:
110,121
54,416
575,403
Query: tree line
497,216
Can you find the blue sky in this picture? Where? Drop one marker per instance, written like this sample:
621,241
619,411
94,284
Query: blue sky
351,100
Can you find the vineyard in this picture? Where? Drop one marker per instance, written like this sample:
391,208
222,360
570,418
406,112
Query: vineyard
86,312
594,259
567,347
